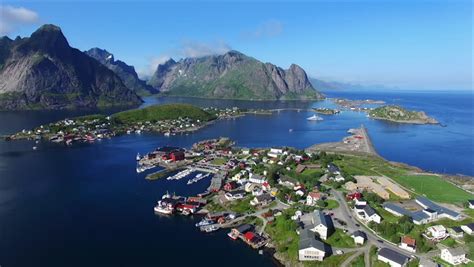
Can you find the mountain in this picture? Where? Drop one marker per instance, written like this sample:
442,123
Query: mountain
333,85
126,72
43,71
232,75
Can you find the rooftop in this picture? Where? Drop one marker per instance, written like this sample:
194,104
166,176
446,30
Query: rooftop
393,256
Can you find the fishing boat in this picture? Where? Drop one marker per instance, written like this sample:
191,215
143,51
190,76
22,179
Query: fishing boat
163,208
232,235
204,222
197,178
209,228
314,118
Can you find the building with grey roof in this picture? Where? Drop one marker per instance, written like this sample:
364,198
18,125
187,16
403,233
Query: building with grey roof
392,257
310,248
321,224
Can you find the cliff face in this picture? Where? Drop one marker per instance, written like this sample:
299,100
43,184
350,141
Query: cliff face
233,76
126,72
43,71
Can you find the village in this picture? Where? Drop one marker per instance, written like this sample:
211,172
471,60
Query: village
93,128
308,208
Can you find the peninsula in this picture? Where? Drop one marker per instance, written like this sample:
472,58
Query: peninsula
317,208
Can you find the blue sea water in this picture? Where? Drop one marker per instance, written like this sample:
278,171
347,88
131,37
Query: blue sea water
86,206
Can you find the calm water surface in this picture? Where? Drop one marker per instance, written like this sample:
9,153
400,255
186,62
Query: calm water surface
85,206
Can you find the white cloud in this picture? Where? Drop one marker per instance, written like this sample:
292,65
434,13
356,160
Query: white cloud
200,49
11,18
150,68
267,29
188,48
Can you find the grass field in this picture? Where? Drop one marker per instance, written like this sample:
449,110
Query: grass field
332,204
434,188
331,261
358,261
218,161
340,240
431,186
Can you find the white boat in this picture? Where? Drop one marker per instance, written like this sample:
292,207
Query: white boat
209,228
162,209
138,157
290,130
34,148
167,134
204,222
197,178
314,118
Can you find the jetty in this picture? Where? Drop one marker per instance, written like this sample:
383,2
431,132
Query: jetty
357,143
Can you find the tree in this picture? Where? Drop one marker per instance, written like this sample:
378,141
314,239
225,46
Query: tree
321,203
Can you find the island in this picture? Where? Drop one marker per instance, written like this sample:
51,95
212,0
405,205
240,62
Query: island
326,111
401,115
319,208
169,119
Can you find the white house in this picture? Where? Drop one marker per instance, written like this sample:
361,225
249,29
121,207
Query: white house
256,179
454,256
468,228
263,199
275,152
339,178
233,195
311,249
407,243
359,237
312,198
392,257
321,224
368,214
437,232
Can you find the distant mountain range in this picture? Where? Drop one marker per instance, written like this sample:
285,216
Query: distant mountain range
43,71
332,85
232,75
126,72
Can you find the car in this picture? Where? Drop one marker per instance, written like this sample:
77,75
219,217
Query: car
358,225
380,241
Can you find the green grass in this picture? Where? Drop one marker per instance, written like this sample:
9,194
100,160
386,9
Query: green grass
431,186
242,206
283,234
469,212
331,261
218,161
331,204
449,242
434,188
340,240
163,112
358,261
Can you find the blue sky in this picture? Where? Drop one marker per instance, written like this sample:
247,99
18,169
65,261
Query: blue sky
407,44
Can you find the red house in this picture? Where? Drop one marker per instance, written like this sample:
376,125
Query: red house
355,195
230,186
249,236
177,155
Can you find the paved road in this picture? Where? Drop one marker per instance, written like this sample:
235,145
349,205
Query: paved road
350,220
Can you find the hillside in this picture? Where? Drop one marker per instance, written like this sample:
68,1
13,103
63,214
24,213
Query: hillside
163,112
401,115
126,72
232,76
44,72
